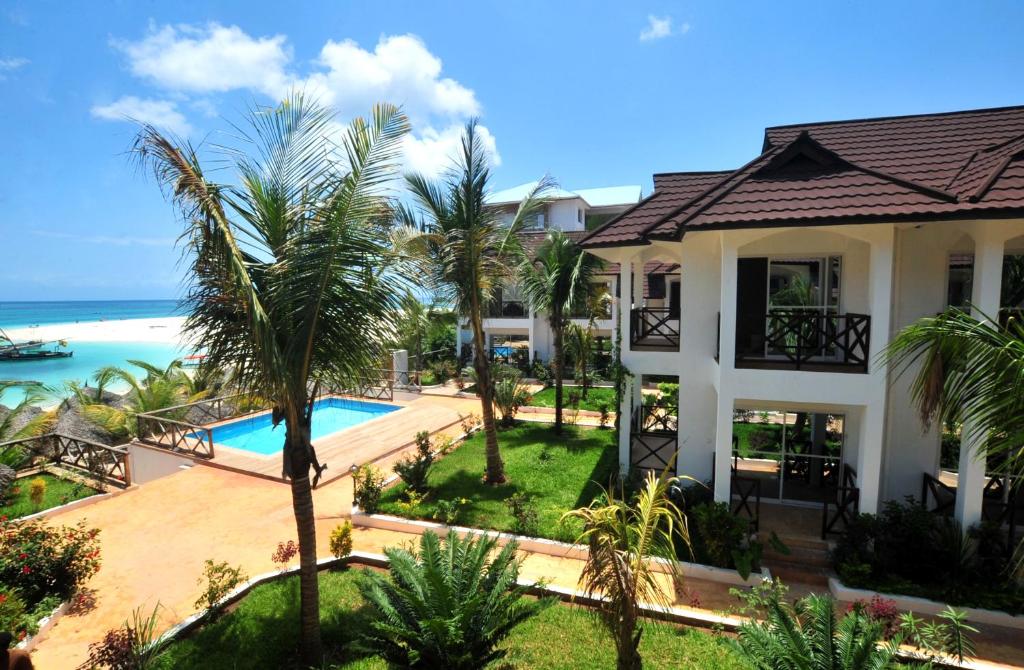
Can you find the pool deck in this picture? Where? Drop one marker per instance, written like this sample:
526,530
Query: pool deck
369,441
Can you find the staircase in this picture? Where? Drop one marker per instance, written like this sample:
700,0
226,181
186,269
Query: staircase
807,563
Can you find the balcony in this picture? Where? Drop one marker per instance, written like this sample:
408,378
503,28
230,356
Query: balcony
654,328
807,339
506,309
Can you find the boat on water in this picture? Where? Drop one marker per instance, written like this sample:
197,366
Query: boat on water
32,350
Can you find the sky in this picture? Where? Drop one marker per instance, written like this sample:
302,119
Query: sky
595,94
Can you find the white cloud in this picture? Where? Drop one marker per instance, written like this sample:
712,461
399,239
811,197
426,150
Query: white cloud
432,152
210,58
120,241
163,114
8,65
659,27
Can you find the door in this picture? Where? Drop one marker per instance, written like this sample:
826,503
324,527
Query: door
751,305
673,301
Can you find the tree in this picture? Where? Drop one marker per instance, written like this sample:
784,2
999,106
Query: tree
970,369
291,282
557,280
580,345
466,251
447,605
161,388
622,536
18,422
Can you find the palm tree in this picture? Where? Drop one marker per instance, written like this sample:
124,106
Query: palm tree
161,388
579,344
621,537
558,280
807,635
970,369
291,284
467,250
414,326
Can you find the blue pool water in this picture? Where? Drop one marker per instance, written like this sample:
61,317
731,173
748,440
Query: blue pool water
256,434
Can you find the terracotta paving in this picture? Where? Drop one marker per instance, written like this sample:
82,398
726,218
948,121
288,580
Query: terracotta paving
156,537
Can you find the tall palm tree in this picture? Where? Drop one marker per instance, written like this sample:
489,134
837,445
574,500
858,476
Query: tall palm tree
467,250
622,536
969,369
557,280
291,284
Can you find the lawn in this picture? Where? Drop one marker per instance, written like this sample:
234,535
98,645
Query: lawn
595,396
558,473
58,492
263,633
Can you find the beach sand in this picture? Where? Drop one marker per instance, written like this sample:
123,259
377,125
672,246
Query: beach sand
167,329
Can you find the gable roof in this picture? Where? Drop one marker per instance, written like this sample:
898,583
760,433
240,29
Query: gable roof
608,196
924,167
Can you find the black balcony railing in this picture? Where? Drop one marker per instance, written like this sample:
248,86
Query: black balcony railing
797,339
654,327
507,309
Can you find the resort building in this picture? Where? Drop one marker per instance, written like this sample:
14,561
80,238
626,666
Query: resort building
792,274
514,333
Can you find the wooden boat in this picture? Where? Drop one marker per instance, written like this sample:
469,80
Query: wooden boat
33,350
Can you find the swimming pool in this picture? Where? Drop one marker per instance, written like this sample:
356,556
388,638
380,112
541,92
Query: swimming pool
258,435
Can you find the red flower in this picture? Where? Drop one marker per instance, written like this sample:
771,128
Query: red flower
26,570
23,556
3,599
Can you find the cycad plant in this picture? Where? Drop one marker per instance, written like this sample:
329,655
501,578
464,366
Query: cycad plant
292,284
807,635
448,605
467,250
557,280
160,388
622,536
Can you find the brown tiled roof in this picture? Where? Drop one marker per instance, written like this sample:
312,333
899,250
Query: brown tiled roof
926,167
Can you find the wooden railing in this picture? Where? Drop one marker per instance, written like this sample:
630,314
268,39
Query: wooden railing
653,326
846,504
102,463
174,435
656,418
801,338
943,495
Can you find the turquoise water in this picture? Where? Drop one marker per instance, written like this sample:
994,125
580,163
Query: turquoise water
258,435
22,314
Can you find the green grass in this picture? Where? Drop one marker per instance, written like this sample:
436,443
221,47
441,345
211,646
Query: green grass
263,633
744,431
595,396
58,492
559,472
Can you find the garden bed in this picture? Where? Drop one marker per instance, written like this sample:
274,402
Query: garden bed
57,491
558,473
265,625
596,395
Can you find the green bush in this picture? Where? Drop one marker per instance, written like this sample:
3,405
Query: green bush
446,605
218,580
524,514
722,539
509,395
367,485
39,560
413,469
669,394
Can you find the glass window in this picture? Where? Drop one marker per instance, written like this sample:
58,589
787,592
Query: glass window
961,273
804,282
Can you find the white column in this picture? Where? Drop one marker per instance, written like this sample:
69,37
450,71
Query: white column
625,301
726,364
723,447
615,311
985,292
532,319
625,427
872,429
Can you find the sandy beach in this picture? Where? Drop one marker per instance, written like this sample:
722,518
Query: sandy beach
165,330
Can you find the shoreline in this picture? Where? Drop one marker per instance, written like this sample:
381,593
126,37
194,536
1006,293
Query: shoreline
166,330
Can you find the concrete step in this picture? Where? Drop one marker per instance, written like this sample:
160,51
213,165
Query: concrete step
789,572
802,552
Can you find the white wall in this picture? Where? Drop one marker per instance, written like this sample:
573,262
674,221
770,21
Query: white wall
562,214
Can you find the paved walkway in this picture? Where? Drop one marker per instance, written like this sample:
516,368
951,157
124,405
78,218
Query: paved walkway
156,537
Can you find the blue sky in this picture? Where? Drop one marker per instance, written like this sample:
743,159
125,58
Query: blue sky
595,93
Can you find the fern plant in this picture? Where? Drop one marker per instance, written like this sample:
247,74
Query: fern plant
446,605
808,635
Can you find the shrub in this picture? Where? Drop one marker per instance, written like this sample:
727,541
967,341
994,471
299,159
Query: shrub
284,553
722,539
524,514
669,394
368,484
413,469
448,511
605,412
444,445
220,579
446,605
133,646
469,423
540,371
442,370
341,540
39,560
37,491
12,612
882,610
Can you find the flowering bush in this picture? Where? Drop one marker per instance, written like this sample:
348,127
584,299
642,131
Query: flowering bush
12,612
39,560
882,610
285,553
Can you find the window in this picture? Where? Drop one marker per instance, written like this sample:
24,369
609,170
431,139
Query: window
960,282
579,215
804,283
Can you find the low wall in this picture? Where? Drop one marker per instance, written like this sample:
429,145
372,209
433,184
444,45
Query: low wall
547,547
148,463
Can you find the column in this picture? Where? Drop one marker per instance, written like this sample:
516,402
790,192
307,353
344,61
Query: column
727,309
985,293
625,427
872,425
625,302
726,364
531,329
723,447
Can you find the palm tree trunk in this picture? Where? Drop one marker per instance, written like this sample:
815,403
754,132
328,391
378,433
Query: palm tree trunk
298,455
627,644
559,364
495,467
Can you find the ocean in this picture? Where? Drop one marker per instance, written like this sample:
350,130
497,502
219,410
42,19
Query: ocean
23,314
88,356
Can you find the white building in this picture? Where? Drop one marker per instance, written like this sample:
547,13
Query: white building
795,271
514,333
